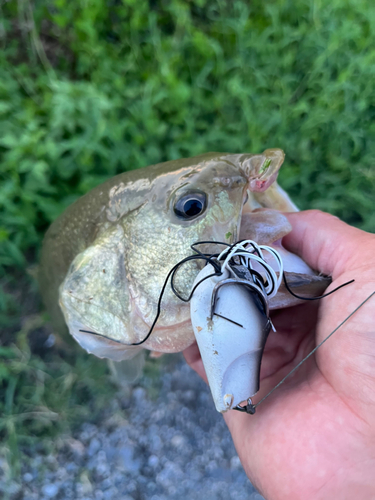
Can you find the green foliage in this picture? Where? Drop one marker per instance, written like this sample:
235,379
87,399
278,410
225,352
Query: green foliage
91,88
46,396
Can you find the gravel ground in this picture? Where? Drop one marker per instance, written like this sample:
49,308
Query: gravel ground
166,447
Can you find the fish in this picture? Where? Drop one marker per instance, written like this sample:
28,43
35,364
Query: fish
104,261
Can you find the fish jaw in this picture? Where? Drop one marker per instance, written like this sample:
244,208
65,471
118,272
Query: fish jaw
99,345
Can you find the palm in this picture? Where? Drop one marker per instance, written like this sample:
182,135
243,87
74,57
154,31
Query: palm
309,426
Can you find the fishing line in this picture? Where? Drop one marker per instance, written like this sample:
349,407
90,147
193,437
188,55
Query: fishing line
271,283
314,298
172,274
207,258
239,259
250,407
234,254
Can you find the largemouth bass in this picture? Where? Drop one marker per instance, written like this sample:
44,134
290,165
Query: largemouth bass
105,259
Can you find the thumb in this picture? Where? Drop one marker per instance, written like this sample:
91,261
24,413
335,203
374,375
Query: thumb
325,243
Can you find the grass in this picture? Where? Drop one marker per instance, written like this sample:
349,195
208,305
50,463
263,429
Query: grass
46,388
92,88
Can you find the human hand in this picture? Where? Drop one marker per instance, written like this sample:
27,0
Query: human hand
314,437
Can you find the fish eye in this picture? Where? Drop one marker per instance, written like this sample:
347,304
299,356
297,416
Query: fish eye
190,205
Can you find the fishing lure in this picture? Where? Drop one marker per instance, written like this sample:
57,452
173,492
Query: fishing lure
231,321
230,316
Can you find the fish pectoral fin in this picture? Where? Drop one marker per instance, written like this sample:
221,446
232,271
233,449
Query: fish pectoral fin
129,370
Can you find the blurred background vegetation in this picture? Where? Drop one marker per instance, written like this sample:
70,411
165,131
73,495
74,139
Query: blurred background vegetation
91,88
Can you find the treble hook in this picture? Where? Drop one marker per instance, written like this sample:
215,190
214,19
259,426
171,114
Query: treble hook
250,408
236,281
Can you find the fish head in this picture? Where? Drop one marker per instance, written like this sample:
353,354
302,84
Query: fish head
119,283
202,201
113,287
198,202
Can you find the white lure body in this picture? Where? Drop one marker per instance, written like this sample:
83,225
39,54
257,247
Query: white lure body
231,353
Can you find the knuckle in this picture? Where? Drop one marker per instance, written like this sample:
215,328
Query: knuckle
316,213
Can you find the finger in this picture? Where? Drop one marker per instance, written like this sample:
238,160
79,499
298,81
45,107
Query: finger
194,360
323,241
292,326
296,320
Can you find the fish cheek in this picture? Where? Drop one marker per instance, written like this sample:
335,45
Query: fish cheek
95,292
223,218
155,245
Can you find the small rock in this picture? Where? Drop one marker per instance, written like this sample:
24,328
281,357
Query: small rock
115,422
170,475
126,456
89,431
235,463
76,447
50,342
131,486
52,462
61,474
71,467
178,441
139,394
102,469
111,494
106,484
50,490
27,477
94,447
155,444
189,396
153,461
84,486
